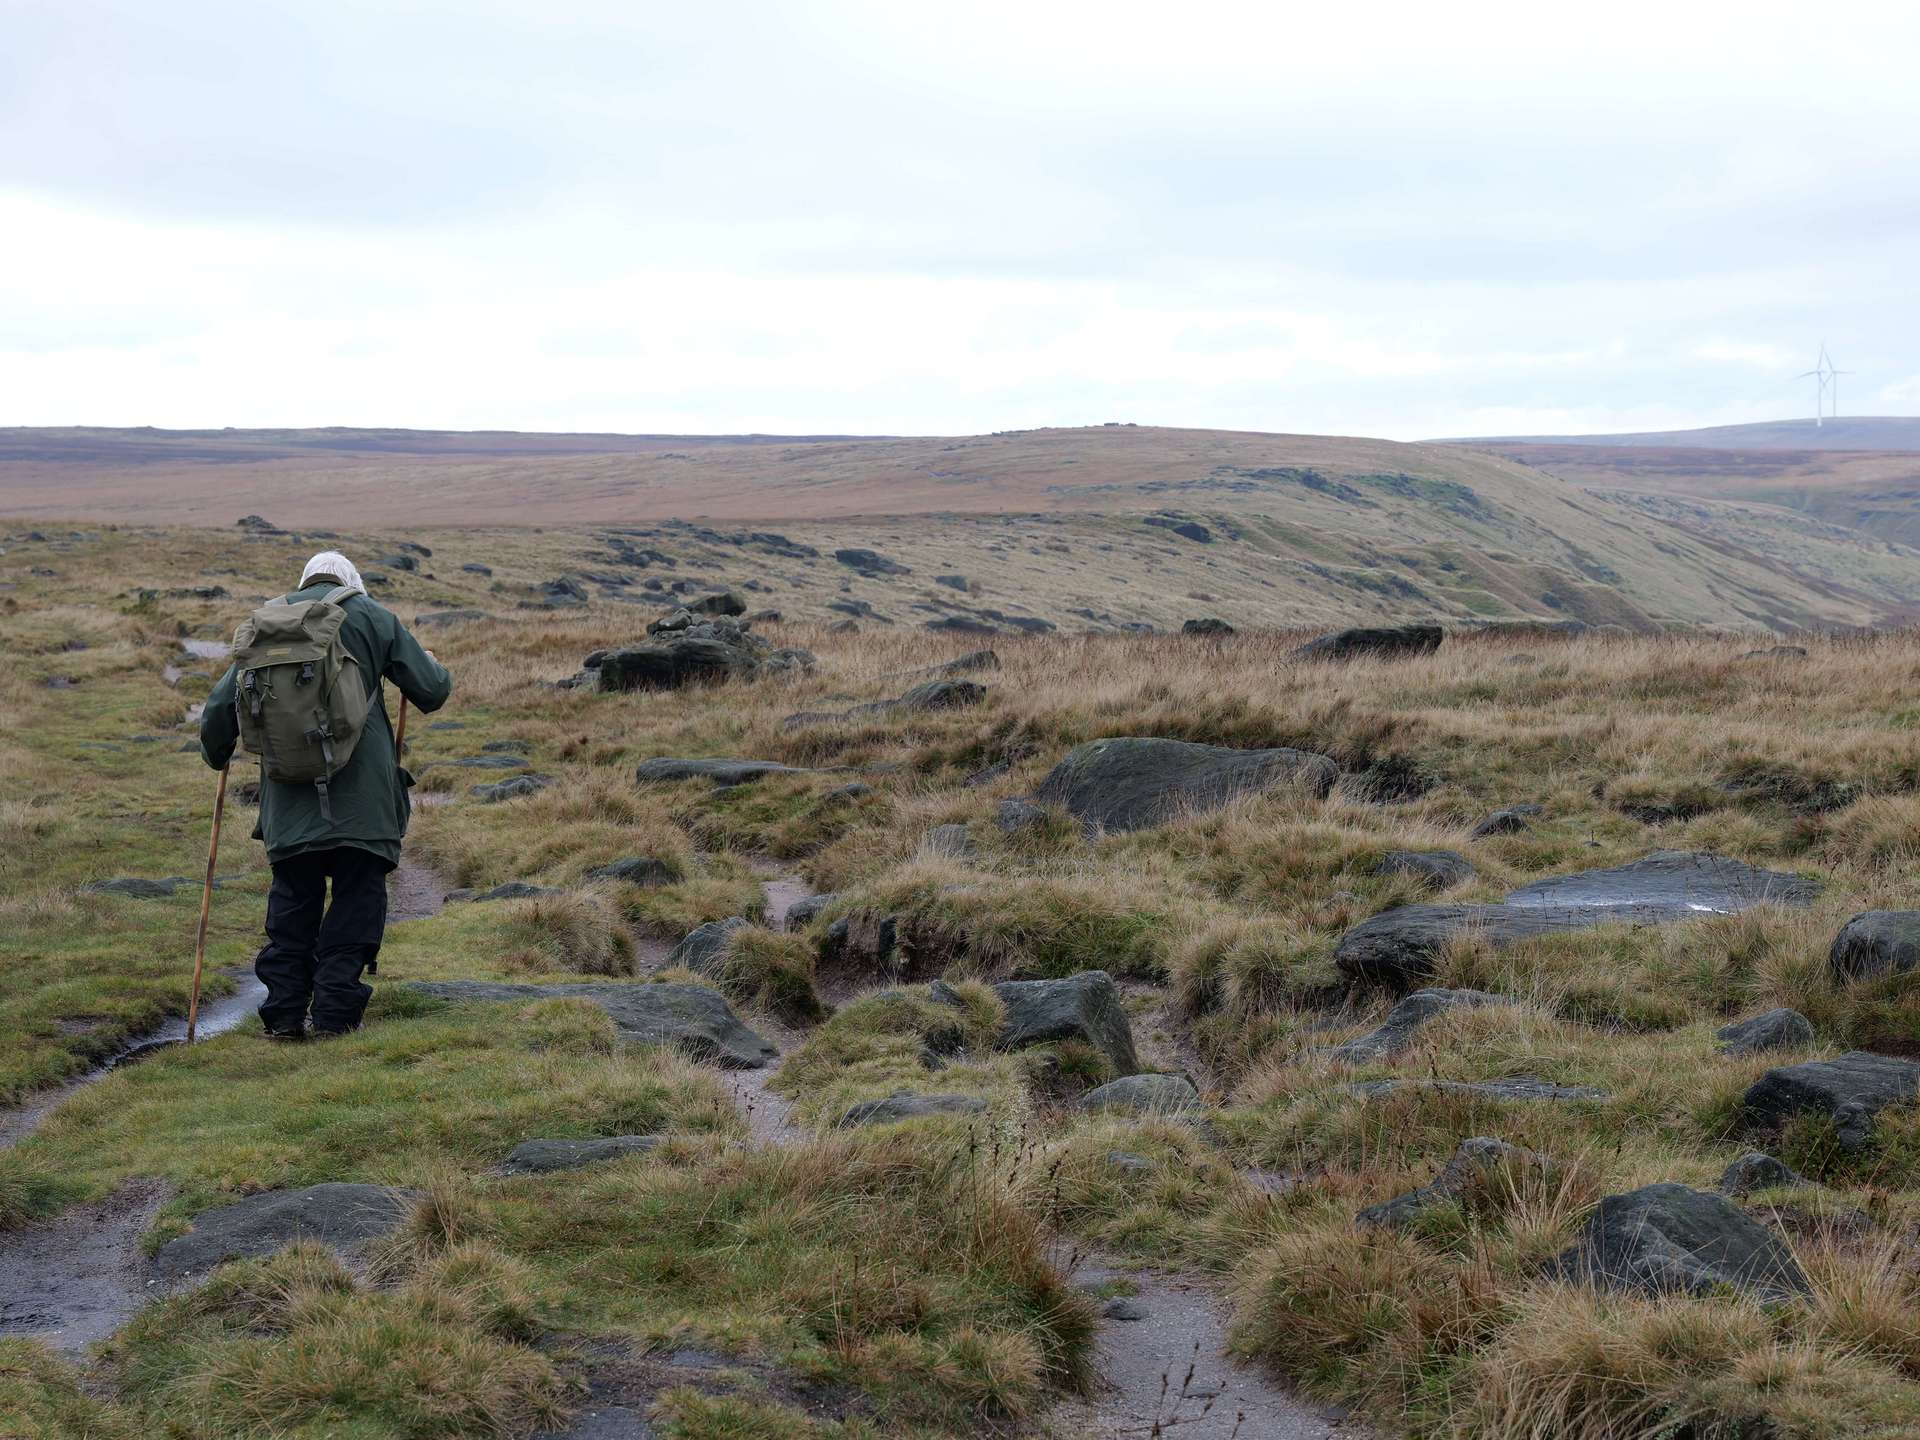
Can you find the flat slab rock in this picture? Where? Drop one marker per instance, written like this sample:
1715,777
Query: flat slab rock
697,1020
1851,1090
905,1106
720,772
1778,1029
335,1215
1131,782
1143,1095
1520,1087
1402,946
543,1157
1668,1239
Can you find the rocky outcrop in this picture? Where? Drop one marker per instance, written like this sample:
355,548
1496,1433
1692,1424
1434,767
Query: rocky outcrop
688,651
1396,1032
1132,782
1143,1095
1207,626
1086,1007
335,1215
1875,943
1482,1169
1392,642
691,1018
869,562
543,1157
902,1105
1671,1239
705,949
803,913
1684,881
1780,1029
1850,1090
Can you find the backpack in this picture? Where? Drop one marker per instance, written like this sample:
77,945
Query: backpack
299,695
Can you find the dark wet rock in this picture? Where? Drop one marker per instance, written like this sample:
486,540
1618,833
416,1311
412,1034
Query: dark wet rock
1126,1310
1143,1095
1086,1007
705,949
335,1215
1757,1171
451,617
950,841
966,664
1019,817
474,567
404,563
960,625
516,788
905,1106
636,870
1686,881
259,524
803,913
720,772
1875,943
1396,1032
414,547
952,582
1391,642
1208,625
1480,1169
1518,1087
485,762
1672,1239
869,562
506,747
1780,1029
847,794
1851,1090
763,617
134,888
1132,782
690,1017
1435,869
1509,821
559,594
543,1157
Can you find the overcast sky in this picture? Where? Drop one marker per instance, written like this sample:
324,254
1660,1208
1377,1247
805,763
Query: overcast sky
1367,218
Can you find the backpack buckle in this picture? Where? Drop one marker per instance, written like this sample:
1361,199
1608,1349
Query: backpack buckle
306,674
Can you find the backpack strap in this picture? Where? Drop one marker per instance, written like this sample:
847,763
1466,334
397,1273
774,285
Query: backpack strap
339,593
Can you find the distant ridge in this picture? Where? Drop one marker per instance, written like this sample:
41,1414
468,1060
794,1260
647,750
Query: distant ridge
1845,432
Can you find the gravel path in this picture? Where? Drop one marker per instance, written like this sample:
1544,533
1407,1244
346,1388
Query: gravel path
75,1279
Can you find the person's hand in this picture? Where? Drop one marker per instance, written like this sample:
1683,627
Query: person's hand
431,656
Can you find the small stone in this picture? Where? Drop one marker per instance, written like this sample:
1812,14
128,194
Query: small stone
1757,1171
1509,821
1124,1308
1780,1029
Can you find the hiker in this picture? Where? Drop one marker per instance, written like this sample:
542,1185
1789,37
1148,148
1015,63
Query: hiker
333,798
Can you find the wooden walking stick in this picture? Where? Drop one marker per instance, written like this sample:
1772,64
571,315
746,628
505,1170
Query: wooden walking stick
400,730
206,904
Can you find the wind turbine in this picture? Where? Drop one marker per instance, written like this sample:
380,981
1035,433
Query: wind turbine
1826,387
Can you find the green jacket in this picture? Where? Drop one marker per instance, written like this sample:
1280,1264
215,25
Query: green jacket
369,796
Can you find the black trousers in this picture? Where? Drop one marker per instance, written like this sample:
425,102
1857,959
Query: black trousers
315,951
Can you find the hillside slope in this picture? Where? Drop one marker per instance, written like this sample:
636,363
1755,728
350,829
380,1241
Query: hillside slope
1074,526
1840,432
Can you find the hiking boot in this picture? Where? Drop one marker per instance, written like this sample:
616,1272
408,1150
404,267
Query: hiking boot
287,1037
